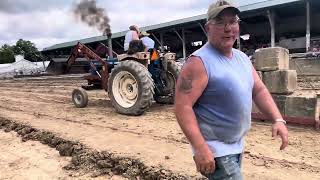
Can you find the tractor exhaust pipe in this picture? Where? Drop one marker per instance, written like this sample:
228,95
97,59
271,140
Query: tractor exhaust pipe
110,52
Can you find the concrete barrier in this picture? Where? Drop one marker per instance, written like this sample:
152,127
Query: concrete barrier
302,106
305,66
280,101
271,59
296,109
280,82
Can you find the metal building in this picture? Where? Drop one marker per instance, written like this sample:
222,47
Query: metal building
288,23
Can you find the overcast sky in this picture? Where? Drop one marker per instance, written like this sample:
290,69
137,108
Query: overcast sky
48,22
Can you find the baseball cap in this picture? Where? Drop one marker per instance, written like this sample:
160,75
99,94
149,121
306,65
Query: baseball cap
216,8
134,28
144,33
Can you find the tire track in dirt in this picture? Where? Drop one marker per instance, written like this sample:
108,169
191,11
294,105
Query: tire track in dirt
268,162
29,160
44,91
304,146
103,162
102,107
113,127
90,160
48,95
257,160
262,154
169,138
118,142
35,98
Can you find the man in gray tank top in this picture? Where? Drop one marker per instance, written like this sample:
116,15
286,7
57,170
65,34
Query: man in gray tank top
214,96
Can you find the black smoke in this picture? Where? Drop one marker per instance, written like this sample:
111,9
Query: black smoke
88,12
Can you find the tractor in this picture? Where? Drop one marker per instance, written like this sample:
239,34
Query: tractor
132,81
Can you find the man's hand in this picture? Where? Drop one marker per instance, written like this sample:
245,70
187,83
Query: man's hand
203,157
280,129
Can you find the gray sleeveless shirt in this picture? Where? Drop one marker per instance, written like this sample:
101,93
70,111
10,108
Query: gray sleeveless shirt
223,111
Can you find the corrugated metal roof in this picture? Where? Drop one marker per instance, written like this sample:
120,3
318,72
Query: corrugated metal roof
84,41
264,4
255,6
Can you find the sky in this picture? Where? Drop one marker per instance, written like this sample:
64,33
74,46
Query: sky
48,22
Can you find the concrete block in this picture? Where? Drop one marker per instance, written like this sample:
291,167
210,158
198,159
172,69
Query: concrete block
305,66
302,106
280,82
297,106
271,59
280,101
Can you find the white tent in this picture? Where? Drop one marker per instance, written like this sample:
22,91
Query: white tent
20,67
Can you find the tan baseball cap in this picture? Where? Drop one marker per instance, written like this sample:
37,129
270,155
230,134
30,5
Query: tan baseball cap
144,33
216,8
134,28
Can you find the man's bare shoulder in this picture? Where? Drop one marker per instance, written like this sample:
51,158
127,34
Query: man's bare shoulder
192,76
194,64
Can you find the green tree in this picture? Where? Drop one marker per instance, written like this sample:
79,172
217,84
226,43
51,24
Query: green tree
22,47
6,54
28,49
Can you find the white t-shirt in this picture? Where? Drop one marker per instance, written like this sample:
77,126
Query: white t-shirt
128,38
148,42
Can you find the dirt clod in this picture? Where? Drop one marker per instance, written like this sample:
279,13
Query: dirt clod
65,149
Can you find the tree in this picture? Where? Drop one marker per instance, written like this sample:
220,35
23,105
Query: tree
22,47
6,54
28,49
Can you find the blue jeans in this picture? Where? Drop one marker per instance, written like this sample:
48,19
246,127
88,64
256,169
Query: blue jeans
227,168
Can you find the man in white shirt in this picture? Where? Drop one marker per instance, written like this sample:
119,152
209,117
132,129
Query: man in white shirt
148,42
132,34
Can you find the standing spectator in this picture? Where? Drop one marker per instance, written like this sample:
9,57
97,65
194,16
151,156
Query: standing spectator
214,96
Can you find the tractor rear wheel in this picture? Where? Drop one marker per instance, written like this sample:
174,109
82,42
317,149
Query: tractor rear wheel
80,98
130,88
169,83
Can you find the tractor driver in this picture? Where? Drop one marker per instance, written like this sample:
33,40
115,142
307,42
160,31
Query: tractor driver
132,34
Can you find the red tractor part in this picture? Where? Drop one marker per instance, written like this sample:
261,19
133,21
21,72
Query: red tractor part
82,51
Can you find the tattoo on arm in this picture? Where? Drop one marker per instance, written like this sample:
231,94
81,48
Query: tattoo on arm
186,84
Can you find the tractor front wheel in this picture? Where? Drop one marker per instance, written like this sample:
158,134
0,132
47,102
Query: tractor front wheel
80,98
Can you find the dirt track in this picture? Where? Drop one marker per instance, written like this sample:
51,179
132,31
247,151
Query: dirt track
154,138
33,160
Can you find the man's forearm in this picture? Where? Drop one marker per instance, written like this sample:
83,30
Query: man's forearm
266,104
189,125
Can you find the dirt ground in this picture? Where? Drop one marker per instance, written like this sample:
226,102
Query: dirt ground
33,160
154,138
